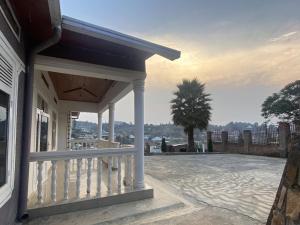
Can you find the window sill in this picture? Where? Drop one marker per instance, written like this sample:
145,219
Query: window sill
5,194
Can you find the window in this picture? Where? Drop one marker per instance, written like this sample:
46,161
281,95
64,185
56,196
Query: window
10,18
10,67
42,125
42,104
42,131
4,109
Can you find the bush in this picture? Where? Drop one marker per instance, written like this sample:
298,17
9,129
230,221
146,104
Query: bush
210,146
163,145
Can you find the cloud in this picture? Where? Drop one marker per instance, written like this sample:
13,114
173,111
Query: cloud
274,63
284,37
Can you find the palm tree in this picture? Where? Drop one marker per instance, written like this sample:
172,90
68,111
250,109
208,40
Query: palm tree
191,108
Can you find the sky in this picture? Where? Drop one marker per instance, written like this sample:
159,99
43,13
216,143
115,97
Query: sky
242,50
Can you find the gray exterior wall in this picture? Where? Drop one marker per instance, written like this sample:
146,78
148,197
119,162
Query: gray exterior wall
8,212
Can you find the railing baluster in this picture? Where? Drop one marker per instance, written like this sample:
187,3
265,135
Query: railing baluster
66,179
39,182
119,173
109,185
73,165
53,180
73,161
94,163
99,176
128,170
89,174
79,162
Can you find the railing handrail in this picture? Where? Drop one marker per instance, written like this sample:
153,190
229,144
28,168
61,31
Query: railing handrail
77,154
92,140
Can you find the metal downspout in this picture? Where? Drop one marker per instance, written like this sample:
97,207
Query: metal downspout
27,121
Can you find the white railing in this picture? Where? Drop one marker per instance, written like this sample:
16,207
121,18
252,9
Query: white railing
96,167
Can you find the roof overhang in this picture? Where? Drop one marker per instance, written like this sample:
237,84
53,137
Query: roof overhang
102,33
37,19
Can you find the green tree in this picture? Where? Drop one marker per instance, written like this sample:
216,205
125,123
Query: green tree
163,145
191,108
210,146
283,105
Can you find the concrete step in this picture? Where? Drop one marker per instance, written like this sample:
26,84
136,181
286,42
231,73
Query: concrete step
163,203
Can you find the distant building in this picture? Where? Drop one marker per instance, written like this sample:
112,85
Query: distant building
156,139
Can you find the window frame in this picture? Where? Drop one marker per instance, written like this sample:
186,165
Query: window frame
39,114
10,55
17,36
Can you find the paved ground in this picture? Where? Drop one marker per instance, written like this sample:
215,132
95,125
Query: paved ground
232,186
215,189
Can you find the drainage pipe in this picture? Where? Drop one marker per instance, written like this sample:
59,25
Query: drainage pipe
27,121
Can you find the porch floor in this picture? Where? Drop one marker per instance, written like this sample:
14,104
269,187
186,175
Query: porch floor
126,213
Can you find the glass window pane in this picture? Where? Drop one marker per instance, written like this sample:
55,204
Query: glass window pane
4,108
37,132
44,134
41,104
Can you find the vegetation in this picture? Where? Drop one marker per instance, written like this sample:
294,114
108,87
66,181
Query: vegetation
163,145
210,146
191,108
172,133
283,105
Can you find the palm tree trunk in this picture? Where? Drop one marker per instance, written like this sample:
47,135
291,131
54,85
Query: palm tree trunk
191,144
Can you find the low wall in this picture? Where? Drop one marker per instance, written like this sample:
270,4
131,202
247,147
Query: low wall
254,149
107,144
177,148
245,145
265,150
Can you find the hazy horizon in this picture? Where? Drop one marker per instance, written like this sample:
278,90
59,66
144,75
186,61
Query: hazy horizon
243,50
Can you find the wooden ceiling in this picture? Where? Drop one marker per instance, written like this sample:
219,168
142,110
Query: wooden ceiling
84,48
79,88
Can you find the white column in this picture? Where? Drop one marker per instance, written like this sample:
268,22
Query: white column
99,125
138,88
53,180
111,122
62,136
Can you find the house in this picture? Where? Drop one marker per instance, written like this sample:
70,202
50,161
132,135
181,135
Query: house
156,139
52,68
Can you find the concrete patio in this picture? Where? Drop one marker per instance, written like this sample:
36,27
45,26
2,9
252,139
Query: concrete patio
217,189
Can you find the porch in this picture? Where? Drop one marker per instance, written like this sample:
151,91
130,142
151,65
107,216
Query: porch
87,69
69,174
